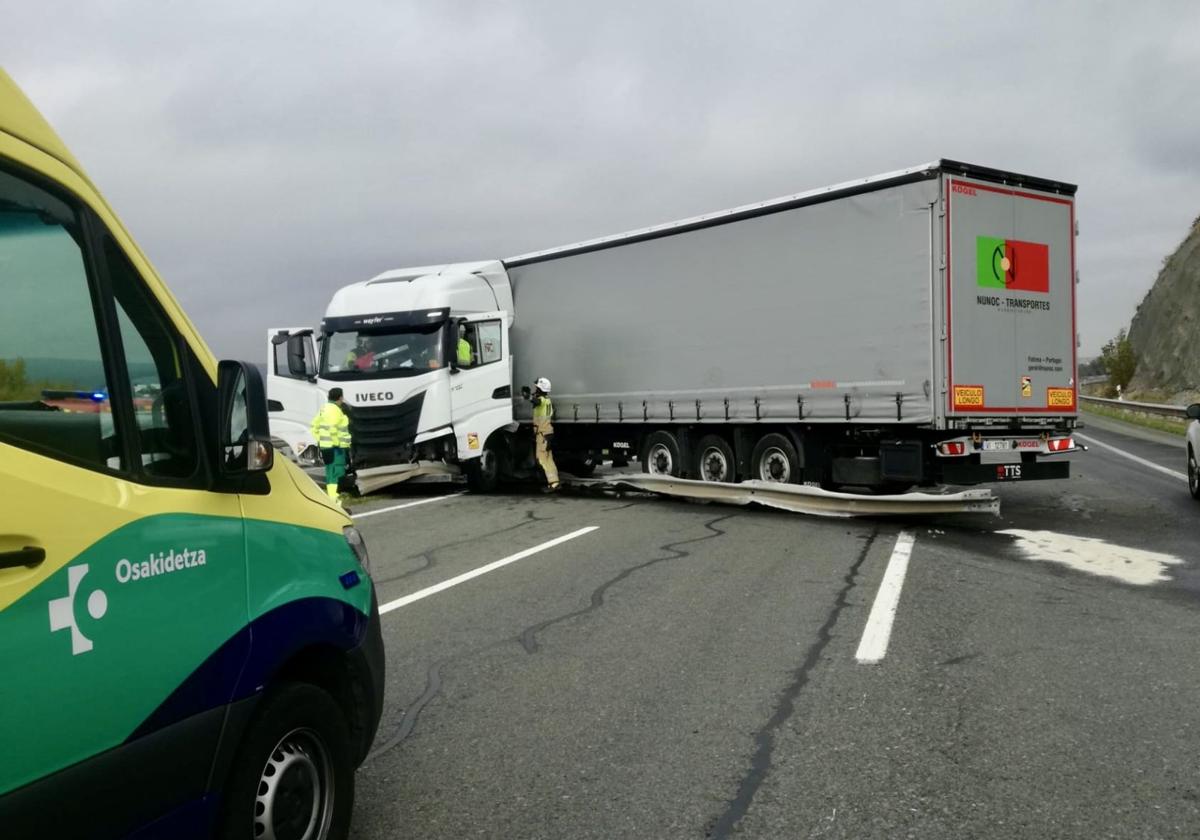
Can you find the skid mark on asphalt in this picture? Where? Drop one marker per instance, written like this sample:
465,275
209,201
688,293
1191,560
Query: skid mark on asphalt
429,556
528,636
764,740
433,687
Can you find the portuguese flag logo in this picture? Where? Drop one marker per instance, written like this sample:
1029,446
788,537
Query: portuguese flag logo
1013,265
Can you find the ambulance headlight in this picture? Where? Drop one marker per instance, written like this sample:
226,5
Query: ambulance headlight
359,546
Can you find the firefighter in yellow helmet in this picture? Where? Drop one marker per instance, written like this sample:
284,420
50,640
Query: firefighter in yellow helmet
331,428
543,430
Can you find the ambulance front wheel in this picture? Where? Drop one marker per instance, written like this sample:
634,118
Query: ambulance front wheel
293,776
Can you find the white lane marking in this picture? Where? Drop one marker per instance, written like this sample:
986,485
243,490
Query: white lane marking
406,505
1132,457
1136,566
878,631
482,570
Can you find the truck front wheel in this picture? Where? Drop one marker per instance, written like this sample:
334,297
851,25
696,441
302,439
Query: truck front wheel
774,459
293,776
661,455
483,473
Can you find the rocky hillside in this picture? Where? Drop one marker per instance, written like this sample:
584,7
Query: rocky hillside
1166,328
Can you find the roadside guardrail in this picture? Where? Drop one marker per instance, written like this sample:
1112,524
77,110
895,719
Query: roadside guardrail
799,498
1177,411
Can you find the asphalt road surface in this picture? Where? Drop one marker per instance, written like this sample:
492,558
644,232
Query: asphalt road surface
693,671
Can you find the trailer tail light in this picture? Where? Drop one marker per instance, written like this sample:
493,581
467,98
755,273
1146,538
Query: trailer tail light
1060,444
952,448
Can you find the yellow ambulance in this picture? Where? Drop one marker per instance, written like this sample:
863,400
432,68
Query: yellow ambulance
189,637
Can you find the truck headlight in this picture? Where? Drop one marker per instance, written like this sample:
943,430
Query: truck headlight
359,546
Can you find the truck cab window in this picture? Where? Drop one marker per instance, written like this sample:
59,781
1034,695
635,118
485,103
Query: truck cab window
166,429
54,389
489,342
354,354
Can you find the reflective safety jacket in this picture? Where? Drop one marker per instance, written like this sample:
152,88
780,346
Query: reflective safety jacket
331,427
464,352
543,413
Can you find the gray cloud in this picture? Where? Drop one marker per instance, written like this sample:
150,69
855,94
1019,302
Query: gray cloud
264,154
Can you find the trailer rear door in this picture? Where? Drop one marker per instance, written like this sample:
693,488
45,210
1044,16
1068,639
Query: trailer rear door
1010,301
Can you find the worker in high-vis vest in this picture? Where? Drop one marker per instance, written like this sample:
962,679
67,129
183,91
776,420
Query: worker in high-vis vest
331,428
464,347
543,430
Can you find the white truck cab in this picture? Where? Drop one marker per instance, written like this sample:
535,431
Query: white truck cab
423,359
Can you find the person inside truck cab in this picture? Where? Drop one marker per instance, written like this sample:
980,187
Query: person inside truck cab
362,357
464,346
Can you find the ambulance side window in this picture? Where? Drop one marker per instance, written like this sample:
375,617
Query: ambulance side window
154,362
54,385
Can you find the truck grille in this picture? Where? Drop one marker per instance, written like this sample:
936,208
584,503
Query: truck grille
384,434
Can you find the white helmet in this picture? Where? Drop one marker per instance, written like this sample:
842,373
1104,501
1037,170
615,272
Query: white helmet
543,384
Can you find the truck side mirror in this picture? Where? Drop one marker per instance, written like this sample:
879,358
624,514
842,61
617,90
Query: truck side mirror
299,357
1193,411
450,346
243,429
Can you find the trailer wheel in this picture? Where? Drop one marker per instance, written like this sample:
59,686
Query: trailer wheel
583,467
661,455
774,459
714,460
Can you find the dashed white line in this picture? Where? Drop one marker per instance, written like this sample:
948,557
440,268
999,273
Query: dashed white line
482,570
1132,457
878,631
365,514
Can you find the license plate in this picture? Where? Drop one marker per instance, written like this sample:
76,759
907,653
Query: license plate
993,445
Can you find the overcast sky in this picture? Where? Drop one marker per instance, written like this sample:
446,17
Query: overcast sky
264,154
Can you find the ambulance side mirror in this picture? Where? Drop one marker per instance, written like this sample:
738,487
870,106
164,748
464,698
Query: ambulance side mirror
244,432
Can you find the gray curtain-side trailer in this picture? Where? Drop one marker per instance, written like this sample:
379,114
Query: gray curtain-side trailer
914,328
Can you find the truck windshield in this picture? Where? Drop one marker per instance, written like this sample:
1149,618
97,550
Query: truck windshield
377,355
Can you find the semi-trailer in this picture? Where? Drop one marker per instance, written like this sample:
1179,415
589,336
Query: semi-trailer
915,328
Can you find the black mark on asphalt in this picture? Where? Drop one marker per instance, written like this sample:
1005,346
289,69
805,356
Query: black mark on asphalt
528,636
764,741
959,660
433,687
430,556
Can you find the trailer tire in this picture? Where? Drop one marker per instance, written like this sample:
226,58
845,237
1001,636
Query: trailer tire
714,460
775,459
661,455
583,467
